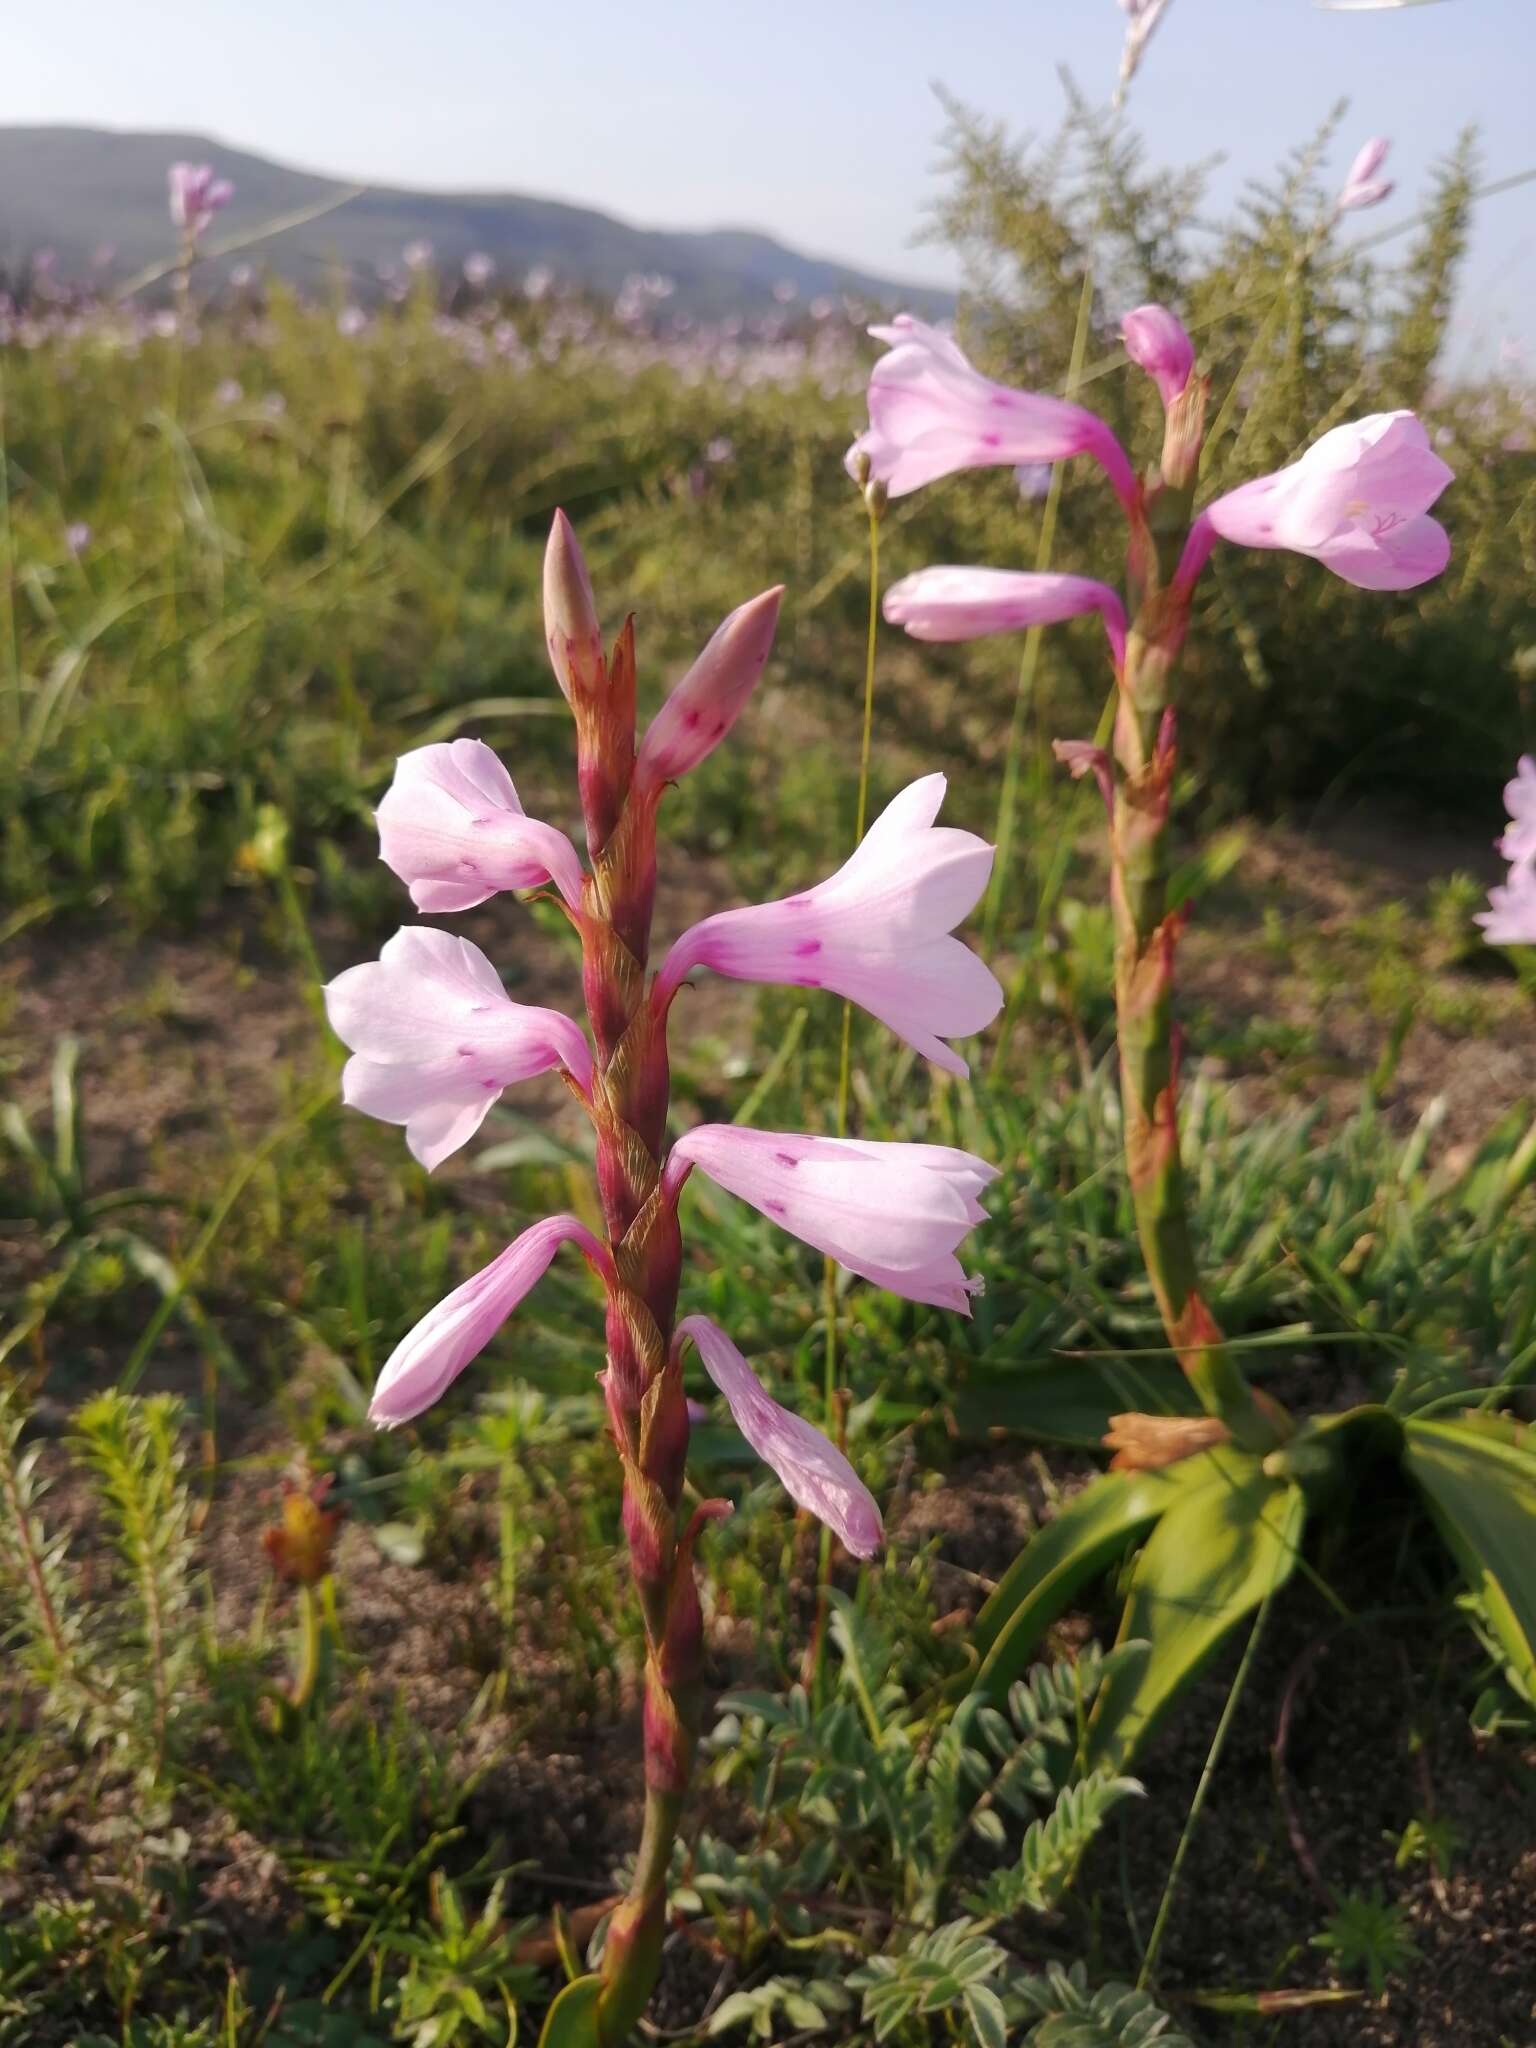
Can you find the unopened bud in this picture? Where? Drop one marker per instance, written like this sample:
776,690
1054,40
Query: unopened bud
707,702
876,497
1156,342
856,462
571,630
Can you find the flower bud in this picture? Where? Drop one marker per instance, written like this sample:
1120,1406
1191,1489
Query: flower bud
1156,342
707,702
876,498
571,629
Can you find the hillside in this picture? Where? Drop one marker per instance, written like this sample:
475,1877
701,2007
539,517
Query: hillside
78,191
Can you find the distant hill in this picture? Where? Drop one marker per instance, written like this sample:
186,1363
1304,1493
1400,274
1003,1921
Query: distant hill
77,190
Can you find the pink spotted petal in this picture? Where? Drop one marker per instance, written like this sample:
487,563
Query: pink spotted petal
452,828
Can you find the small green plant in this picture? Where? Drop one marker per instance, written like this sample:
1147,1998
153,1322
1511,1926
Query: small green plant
1367,1936
463,1979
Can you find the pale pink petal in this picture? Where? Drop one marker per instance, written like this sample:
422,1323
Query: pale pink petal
815,1474
453,830
932,413
1519,842
707,702
437,1039
1356,501
896,1211
1510,919
424,1364
1362,187
1156,342
877,932
961,603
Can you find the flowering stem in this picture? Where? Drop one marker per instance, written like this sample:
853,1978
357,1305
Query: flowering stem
1146,935
1008,798
831,1391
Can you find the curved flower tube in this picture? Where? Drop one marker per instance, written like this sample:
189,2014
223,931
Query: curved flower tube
453,830
893,1214
815,1474
435,1039
424,1364
932,412
1357,501
707,702
877,932
954,603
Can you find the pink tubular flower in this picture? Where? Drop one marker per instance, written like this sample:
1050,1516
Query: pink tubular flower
965,604
1357,501
1510,919
1519,843
451,827
196,195
424,1364
1156,342
814,1472
707,702
436,1038
894,1214
1362,187
876,932
931,413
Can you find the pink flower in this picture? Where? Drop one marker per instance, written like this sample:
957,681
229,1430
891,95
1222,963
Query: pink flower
876,932
196,195
892,1213
1357,501
965,604
1519,843
707,702
479,269
451,827
424,1364
1510,919
436,1038
931,413
1156,342
1362,187
815,1473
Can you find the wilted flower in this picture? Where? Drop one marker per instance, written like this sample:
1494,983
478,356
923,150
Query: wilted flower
300,1544
196,195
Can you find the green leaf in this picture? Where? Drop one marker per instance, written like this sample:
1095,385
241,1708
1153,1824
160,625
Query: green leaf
1212,1558
572,2020
1480,1481
1069,1401
984,2010
1086,1537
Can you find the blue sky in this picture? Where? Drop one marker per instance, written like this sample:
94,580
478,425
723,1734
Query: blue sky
814,119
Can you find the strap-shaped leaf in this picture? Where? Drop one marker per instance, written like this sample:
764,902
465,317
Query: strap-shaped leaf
1214,1555
1480,1480
572,2021
1084,1539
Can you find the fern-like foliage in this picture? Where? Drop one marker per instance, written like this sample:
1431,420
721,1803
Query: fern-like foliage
1053,1848
953,1970
43,1622
1067,2014
132,1447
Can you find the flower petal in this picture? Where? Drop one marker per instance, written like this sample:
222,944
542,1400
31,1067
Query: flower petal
815,1474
